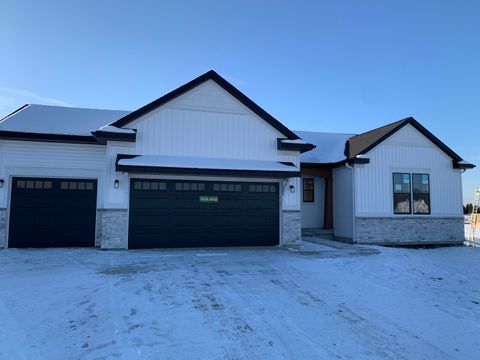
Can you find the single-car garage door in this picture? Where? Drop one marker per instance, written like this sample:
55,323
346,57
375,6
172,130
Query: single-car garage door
48,212
166,213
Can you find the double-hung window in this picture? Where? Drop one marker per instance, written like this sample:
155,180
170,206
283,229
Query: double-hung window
411,193
421,193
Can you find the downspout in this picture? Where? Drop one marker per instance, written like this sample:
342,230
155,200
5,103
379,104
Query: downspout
353,201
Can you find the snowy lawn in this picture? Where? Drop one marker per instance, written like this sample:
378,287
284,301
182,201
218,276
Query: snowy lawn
325,302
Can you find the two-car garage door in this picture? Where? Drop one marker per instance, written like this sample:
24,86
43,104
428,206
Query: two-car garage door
177,213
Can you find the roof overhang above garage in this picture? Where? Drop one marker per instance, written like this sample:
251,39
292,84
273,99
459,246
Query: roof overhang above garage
182,165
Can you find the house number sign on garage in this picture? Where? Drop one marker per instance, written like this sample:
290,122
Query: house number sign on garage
208,199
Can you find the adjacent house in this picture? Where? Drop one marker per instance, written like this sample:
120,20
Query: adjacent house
205,166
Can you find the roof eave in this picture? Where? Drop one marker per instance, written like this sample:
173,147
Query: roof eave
294,147
464,166
61,138
358,160
103,136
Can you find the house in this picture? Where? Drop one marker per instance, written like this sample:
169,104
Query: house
205,166
201,166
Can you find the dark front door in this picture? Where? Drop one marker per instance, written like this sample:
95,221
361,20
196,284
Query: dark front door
48,212
168,213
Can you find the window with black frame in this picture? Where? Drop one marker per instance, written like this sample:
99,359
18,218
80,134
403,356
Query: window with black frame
421,193
401,193
308,190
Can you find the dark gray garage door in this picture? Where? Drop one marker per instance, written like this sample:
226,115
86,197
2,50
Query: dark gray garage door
202,213
52,212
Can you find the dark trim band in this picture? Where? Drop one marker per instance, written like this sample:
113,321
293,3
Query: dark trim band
23,136
465,166
103,136
359,161
293,146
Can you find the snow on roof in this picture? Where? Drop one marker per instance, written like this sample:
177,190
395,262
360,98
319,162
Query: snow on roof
330,147
296,141
46,119
114,129
205,163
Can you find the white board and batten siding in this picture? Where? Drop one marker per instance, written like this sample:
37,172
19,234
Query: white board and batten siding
407,151
209,122
313,212
48,159
343,202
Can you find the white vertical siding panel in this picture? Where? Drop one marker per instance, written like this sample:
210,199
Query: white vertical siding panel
209,122
195,133
116,198
407,151
342,202
28,158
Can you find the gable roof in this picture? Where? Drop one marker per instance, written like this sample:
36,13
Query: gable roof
57,120
361,144
210,75
333,149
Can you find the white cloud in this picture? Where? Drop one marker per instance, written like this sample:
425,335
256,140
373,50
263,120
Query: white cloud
12,99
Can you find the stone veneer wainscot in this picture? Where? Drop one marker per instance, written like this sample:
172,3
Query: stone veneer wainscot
291,227
112,228
409,230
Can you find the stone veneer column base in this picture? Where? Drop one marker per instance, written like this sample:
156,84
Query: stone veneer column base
409,230
112,229
291,227
3,228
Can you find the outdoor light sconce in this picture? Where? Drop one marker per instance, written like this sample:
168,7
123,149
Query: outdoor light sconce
292,188
116,184
2,182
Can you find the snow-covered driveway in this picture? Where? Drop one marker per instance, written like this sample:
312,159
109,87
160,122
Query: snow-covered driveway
322,303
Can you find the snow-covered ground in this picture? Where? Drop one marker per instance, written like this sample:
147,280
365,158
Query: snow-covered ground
324,302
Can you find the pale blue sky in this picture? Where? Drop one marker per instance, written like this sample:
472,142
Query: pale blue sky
338,65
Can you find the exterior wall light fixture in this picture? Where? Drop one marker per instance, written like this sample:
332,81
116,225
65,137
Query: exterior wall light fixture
292,188
116,184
